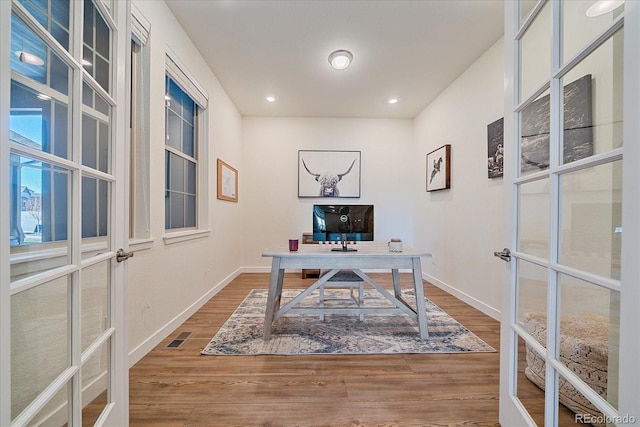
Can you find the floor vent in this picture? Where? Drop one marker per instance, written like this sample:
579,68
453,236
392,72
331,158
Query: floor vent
179,340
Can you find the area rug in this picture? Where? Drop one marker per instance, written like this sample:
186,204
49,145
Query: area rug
339,334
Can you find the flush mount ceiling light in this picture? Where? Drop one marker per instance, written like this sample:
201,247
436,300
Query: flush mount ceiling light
393,100
602,7
28,58
270,99
340,59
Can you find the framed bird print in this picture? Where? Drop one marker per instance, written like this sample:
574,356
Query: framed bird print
439,169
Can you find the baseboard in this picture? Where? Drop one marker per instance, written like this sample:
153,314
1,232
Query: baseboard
150,343
479,305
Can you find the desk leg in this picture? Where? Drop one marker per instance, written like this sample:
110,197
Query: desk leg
421,308
396,282
275,293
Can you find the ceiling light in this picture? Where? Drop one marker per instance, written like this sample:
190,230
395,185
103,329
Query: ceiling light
270,99
602,7
340,59
393,100
29,58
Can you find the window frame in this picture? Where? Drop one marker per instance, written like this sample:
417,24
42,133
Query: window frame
176,71
139,126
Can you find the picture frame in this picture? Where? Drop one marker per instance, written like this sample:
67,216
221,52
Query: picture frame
439,168
324,173
495,149
577,138
227,182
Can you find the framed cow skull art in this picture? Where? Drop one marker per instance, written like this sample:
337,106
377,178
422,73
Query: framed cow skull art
324,173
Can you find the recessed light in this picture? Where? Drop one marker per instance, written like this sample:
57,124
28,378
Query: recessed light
340,59
392,100
602,7
270,99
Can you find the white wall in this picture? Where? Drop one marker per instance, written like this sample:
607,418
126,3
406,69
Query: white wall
462,226
167,280
271,209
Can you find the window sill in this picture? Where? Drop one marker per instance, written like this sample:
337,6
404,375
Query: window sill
136,245
182,236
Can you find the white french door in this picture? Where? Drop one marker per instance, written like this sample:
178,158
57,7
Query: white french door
569,338
63,133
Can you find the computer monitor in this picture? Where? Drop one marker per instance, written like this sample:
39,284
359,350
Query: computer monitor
342,223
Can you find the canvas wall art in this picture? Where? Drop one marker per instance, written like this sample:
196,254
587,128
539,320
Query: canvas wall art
495,145
578,127
323,173
439,168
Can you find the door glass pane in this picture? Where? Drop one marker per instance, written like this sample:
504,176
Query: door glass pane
581,411
530,381
96,147
526,6
39,121
56,408
95,210
39,340
534,136
593,102
39,217
591,219
535,53
589,334
97,42
53,15
533,218
95,298
532,294
581,26
95,381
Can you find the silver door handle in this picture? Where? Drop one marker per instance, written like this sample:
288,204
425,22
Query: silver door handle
121,255
505,255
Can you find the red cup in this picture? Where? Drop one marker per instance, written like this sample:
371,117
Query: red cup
293,245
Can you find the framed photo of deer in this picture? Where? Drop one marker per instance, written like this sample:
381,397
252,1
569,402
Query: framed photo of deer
439,169
323,173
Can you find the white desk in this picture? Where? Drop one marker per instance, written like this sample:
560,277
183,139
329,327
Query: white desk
366,257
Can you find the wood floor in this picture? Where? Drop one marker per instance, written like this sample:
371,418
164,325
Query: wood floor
180,387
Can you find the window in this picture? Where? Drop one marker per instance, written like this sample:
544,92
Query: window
181,158
139,218
185,148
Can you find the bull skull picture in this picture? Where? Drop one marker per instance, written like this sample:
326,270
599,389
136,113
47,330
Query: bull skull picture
329,181
325,171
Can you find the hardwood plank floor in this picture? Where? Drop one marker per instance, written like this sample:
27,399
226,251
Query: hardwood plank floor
180,387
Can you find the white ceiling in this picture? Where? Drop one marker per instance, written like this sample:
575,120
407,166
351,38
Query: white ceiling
411,50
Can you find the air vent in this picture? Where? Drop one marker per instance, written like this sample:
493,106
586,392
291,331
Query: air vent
179,340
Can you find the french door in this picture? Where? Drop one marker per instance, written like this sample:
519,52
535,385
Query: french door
569,339
63,131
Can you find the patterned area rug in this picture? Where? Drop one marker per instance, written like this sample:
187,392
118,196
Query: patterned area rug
339,334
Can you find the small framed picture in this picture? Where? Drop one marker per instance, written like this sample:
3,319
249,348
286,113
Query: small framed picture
227,182
439,169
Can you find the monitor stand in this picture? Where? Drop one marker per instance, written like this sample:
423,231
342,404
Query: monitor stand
344,246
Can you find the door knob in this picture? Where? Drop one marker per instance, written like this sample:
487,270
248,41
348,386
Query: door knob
504,255
121,255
